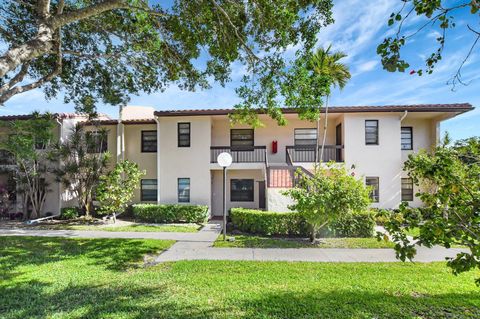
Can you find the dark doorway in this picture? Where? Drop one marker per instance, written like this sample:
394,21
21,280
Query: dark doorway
261,195
338,142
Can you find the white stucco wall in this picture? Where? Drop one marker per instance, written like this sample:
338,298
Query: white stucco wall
185,162
277,202
270,132
383,160
217,189
133,151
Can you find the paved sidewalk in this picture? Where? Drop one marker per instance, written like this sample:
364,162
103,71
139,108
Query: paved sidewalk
196,246
208,234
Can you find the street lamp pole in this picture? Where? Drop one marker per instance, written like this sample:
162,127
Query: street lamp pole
224,203
224,160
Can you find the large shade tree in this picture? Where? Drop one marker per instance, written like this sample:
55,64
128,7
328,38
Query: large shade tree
105,50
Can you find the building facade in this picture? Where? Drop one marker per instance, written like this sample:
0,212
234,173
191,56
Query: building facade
178,151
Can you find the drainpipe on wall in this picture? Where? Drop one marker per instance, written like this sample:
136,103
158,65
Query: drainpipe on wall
158,158
403,116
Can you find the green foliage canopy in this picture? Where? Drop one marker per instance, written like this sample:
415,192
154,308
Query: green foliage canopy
450,180
327,194
104,51
116,188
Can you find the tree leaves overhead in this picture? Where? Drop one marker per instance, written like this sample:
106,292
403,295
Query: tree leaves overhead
437,14
144,48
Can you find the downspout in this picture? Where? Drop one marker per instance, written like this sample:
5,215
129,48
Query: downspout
59,184
403,116
158,157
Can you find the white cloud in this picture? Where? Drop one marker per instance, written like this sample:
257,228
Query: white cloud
366,66
357,24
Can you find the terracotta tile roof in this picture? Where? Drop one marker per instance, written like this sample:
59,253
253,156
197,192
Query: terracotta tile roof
457,107
115,122
56,115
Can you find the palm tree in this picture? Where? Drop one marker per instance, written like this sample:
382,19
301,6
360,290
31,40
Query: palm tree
324,63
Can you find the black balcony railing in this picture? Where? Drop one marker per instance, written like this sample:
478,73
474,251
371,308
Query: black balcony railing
307,154
252,154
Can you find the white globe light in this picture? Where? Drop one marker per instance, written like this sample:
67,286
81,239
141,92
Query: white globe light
224,159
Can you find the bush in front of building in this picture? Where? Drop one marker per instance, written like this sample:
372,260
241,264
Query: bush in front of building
361,224
268,223
68,213
165,213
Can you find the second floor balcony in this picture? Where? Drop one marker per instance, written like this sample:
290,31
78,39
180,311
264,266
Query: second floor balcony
248,154
308,154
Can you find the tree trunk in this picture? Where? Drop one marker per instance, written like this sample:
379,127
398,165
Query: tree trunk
17,56
317,143
325,128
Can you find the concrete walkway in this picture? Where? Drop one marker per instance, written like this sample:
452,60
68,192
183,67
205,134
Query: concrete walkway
208,234
198,246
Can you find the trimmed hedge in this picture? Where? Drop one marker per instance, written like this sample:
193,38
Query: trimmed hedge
155,213
293,224
268,223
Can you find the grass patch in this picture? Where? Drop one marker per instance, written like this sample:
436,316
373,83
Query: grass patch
413,232
187,228
102,278
251,241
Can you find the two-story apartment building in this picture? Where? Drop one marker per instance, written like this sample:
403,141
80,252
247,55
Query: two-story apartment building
178,151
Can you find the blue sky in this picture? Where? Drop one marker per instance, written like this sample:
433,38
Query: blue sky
359,27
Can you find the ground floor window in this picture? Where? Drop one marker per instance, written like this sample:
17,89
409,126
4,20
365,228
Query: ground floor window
148,190
241,190
374,182
184,190
407,189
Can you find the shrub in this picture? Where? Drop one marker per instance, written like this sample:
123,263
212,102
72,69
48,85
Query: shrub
293,224
155,213
361,224
268,223
69,213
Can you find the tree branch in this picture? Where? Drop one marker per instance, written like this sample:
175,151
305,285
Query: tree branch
457,78
235,30
87,12
56,71
16,79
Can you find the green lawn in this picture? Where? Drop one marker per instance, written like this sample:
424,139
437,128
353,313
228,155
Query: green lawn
251,241
105,278
187,228
413,232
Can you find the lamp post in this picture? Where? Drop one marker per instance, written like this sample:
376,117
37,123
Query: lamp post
224,160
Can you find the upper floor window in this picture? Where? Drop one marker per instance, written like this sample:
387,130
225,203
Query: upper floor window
97,142
149,141
183,134
241,190
305,136
371,132
407,189
184,190
374,182
407,138
148,190
241,137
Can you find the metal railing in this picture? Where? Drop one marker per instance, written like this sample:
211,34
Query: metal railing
307,154
251,154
